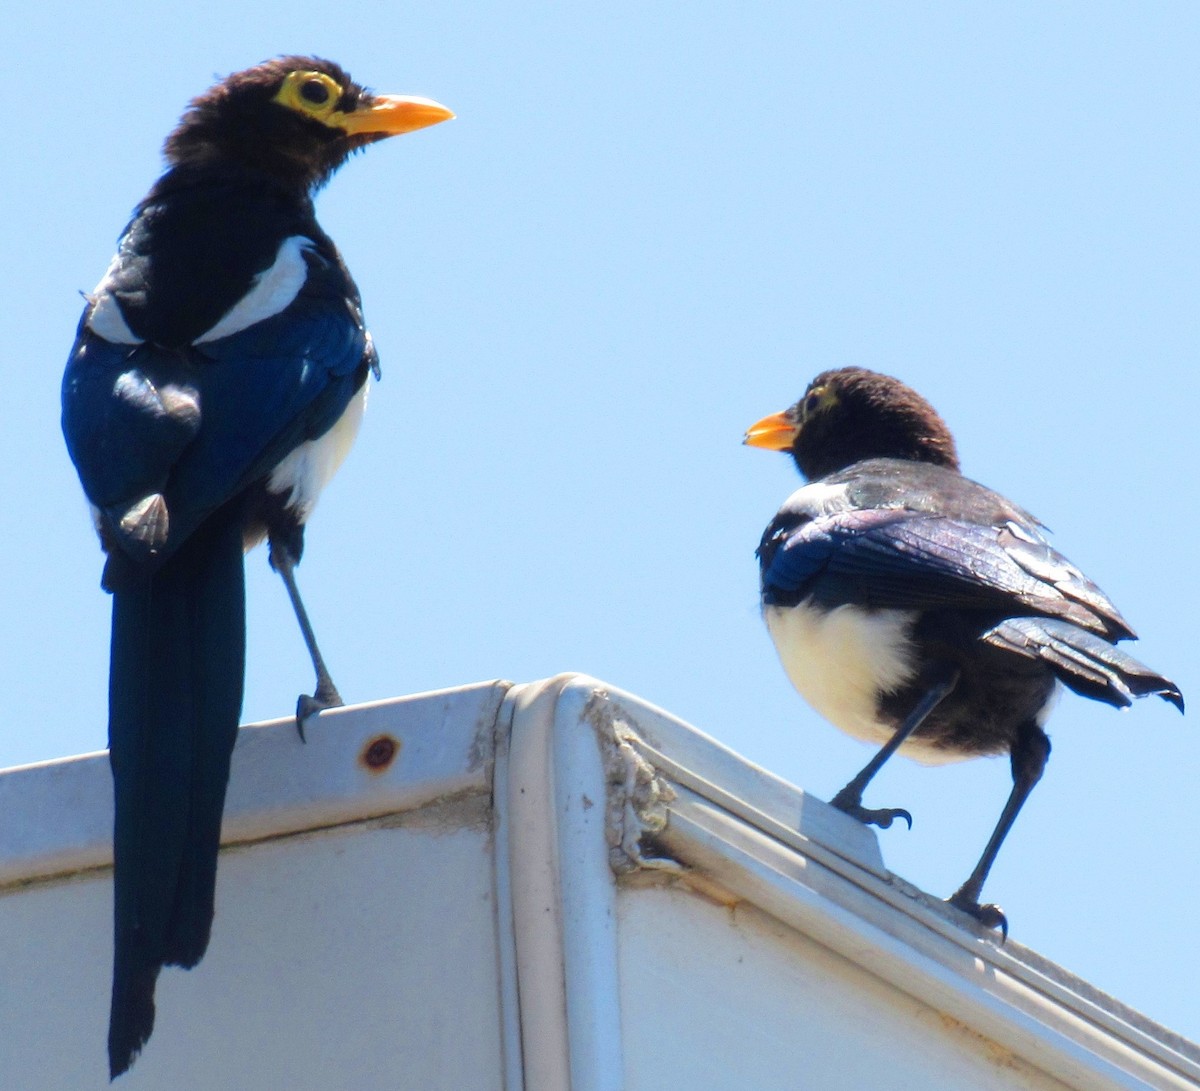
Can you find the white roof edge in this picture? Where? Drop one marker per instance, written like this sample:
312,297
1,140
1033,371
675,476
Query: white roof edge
591,784
441,745
574,740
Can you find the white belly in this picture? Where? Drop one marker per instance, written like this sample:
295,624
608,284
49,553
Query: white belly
841,660
309,468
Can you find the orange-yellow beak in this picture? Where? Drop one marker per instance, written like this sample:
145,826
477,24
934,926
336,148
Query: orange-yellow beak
391,115
774,433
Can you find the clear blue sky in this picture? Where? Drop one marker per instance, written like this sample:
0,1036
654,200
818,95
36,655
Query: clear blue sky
650,225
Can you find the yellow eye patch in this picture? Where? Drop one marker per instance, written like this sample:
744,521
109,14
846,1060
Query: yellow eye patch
817,400
311,93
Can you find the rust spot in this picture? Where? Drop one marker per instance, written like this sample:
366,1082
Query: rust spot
379,753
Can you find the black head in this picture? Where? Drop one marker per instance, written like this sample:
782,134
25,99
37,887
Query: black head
852,414
297,118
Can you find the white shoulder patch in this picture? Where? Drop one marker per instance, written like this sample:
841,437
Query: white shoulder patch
106,319
818,499
271,292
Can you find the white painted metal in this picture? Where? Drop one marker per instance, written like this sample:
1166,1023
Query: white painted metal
552,887
564,894
355,938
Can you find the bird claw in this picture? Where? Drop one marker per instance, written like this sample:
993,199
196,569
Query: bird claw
882,817
307,706
989,915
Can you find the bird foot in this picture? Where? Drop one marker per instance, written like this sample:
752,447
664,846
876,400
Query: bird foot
307,706
882,817
989,915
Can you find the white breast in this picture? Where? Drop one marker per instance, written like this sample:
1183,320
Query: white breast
841,660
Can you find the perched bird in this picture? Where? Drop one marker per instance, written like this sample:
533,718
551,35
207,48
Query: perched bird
217,380
916,609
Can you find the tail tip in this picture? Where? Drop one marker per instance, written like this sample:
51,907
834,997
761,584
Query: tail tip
131,1020
121,1055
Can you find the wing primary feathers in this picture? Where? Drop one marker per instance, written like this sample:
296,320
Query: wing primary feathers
1082,661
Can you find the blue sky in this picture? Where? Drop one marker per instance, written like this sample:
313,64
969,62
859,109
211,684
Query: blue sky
649,226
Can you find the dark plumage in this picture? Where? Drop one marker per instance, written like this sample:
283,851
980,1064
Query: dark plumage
919,610
217,379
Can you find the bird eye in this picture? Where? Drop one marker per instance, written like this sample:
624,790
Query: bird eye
311,93
812,403
315,92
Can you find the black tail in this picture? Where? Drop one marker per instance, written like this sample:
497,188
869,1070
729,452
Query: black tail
1084,662
175,695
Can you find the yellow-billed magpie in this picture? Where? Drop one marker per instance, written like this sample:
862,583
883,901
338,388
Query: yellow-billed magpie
217,380
916,609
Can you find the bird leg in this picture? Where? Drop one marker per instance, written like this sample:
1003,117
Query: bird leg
326,693
1029,755
849,799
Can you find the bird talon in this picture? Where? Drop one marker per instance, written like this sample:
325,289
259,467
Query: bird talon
890,815
307,706
989,915
882,817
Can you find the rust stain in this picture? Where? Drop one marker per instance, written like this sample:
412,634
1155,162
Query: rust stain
712,891
999,1055
379,753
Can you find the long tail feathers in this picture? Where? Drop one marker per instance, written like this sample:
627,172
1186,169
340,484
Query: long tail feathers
175,695
1084,662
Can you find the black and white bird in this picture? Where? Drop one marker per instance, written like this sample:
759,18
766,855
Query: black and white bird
919,611
217,380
